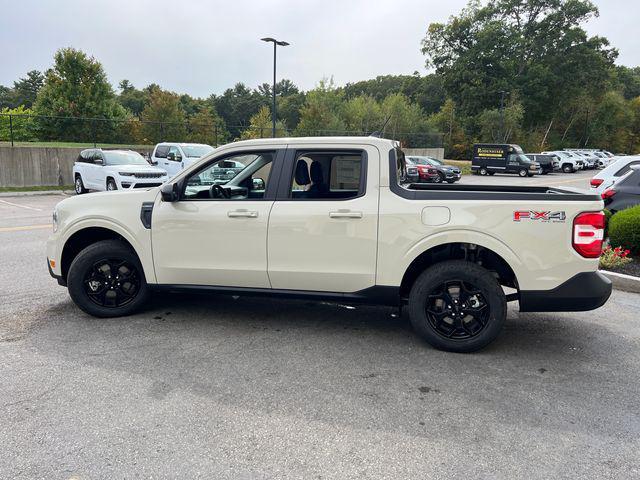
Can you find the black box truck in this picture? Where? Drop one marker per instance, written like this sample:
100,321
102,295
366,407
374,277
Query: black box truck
490,158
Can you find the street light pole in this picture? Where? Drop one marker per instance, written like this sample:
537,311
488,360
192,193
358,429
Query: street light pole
273,110
502,94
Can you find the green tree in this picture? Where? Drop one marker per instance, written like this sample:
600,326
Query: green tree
237,105
261,126
26,89
535,49
491,124
163,118
206,126
131,98
320,114
406,120
20,124
450,122
362,114
76,86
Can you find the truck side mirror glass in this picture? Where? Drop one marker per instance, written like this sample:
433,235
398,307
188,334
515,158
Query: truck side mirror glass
178,158
170,192
171,156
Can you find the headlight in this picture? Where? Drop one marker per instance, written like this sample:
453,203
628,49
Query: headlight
55,220
126,174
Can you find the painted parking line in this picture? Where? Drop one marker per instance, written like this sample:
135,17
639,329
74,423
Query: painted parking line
21,206
24,227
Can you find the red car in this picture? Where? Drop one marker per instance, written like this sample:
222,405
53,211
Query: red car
426,173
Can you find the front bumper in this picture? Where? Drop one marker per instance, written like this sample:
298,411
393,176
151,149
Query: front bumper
59,278
582,292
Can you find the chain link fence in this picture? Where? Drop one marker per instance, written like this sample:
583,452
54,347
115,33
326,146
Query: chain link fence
20,129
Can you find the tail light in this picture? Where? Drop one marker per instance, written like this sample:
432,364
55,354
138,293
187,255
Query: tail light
596,182
607,194
588,234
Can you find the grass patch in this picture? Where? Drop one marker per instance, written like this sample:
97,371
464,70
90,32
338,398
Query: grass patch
39,188
76,145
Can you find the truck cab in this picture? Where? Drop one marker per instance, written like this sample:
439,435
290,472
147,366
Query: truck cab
489,159
174,157
335,219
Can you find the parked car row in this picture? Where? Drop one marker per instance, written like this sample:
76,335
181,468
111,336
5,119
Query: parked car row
428,169
106,169
489,159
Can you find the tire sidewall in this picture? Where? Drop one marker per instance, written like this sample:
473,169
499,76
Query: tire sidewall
481,278
111,183
523,173
79,186
483,171
85,260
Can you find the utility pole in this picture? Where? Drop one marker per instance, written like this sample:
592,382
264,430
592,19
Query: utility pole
273,110
502,94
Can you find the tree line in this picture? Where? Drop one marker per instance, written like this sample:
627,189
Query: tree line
558,88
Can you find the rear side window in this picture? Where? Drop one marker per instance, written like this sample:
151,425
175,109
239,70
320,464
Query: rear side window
625,169
161,151
321,175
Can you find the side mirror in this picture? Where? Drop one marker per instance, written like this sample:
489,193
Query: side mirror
178,158
171,156
170,192
258,184
98,161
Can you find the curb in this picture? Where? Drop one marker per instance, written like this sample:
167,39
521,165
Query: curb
626,283
36,192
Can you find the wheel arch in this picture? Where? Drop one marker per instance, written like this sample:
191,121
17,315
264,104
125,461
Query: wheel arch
491,255
83,236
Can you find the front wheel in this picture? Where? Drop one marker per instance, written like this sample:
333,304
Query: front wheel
79,185
457,306
106,280
566,168
111,184
523,173
439,178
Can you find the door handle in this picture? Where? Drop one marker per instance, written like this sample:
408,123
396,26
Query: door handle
345,214
242,214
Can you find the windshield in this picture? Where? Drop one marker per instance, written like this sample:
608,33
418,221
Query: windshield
520,156
196,151
124,158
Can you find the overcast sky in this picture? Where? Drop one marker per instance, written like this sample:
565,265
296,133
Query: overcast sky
204,47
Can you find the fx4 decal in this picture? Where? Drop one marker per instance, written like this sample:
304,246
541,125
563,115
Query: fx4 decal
554,217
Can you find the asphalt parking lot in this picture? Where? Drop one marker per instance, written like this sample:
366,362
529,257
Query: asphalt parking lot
223,387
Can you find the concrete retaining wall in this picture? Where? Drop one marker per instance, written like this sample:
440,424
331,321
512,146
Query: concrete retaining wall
428,152
36,166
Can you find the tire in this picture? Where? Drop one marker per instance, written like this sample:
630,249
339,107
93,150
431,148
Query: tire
79,185
483,171
439,178
451,181
567,168
545,172
480,287
89,266
111,184
523,173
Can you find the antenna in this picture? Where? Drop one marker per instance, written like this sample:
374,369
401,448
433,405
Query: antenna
378,133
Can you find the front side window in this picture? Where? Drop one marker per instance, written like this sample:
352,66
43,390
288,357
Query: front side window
161,151
237,177
322,175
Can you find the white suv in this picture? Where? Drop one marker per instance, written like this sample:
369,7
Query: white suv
97,169
174,157
569,161
616,169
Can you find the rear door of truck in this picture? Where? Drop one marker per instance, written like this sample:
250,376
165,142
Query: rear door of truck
322,233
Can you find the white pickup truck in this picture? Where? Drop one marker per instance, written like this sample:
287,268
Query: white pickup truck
334,218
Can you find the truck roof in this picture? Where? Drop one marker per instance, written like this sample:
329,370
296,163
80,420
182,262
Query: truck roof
384,142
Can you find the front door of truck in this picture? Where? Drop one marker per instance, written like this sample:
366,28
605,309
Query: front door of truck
216,233
323,225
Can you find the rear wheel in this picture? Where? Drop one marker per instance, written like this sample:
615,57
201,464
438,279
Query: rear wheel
457,306
79,185
106,280
483,171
